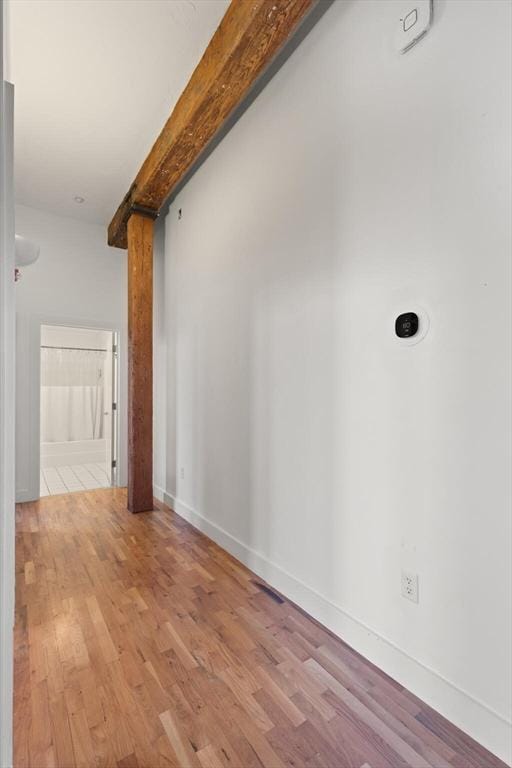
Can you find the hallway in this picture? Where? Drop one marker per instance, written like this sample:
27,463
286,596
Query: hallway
139,642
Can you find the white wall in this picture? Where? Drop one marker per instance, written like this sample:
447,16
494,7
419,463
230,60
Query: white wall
80,338
160,393
314,445
7,394
78,280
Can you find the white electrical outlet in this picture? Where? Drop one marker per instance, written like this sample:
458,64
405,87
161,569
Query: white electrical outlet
410,586
182,473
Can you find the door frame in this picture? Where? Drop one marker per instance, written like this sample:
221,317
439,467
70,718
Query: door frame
7,409
34,405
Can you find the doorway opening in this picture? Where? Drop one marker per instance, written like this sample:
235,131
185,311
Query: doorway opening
79,384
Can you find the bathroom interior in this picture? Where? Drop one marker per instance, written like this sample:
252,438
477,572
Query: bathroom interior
78,409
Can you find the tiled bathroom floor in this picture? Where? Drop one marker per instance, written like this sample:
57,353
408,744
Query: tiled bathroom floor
78,477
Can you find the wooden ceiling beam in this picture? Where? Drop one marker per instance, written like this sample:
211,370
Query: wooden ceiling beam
248,39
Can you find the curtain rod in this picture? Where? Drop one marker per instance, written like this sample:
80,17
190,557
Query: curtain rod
77,349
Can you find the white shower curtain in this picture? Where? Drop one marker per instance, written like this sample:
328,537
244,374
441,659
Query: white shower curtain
71,394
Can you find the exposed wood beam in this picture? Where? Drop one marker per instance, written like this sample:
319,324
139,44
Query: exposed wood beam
246,42
140,363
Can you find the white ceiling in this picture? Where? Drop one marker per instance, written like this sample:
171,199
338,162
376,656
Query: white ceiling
95,81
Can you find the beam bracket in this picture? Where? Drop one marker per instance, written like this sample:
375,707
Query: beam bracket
148,213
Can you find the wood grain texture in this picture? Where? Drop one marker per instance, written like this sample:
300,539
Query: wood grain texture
140,363
250,35
139,643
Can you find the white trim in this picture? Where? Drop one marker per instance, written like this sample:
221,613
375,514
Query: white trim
23,494
159,494
489,728
7,402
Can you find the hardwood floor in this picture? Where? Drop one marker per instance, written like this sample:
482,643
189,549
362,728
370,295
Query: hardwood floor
139,642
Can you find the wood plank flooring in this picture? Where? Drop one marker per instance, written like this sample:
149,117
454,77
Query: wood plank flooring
139,643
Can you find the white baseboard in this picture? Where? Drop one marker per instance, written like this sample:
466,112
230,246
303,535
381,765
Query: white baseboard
475,718
159,493
24,494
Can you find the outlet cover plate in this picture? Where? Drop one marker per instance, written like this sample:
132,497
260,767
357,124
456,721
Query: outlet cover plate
414,19
410,586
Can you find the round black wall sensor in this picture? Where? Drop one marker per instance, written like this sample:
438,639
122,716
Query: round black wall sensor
406,325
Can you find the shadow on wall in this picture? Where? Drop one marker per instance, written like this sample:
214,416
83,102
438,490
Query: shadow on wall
250,441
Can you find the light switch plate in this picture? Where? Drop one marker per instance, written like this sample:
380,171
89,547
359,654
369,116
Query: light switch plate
414,19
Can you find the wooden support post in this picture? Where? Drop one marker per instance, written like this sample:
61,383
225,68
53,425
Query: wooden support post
246,43
140,363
